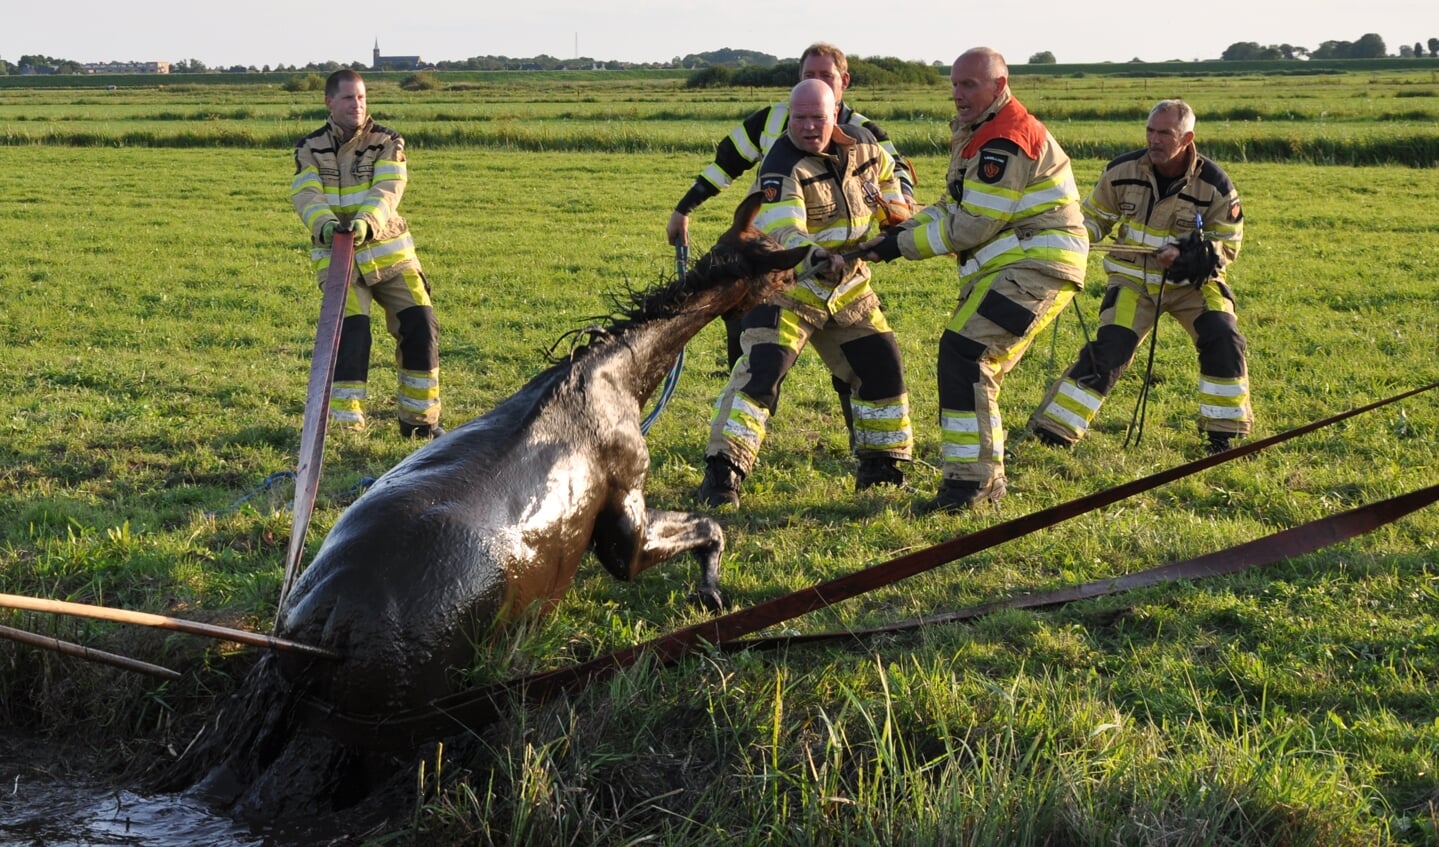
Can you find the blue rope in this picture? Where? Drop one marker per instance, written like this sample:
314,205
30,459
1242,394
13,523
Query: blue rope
682,262
274,479
667,391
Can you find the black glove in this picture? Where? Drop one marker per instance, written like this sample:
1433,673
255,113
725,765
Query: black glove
888,247
1197,260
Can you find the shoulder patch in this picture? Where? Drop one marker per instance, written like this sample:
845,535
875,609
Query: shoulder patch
991,166
1236,213
770,187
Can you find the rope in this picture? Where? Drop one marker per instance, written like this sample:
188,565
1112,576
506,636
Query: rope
477,706
667,391
272,482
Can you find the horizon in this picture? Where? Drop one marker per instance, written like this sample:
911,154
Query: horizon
267,32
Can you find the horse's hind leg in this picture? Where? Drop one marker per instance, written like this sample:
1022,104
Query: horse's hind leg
668,534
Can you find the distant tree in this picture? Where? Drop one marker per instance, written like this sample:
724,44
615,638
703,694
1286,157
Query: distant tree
886,70
1418,49
188,66
1242,51
1434,47
1334,50
1291,52
1043,57
709,78
1406,52
1369,46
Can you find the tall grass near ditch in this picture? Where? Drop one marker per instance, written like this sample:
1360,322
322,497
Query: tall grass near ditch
157,327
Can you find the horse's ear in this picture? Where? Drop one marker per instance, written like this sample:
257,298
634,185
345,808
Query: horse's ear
745,212
778,260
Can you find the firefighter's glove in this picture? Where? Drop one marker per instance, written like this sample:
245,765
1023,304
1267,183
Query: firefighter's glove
327,232
886,249
361,229
1196,262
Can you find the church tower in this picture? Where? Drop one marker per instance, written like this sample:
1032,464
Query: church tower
375,65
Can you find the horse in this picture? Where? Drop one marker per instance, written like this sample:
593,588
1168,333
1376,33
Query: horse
494,517
487,522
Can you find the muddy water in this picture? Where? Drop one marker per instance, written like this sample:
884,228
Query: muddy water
48,798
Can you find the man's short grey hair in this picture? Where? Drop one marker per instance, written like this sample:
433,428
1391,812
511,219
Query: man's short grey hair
1181,109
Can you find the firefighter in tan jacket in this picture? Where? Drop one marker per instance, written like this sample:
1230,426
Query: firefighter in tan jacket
823,188
1155,199
1011,217
351,172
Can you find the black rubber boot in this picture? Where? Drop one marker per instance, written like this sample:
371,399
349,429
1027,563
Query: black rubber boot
878,470
425,431
957,495
721,483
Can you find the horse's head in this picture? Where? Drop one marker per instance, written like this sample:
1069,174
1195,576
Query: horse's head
745,253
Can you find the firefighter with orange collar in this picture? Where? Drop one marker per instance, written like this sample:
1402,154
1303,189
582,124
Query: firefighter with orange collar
823,187
1165,200
1012,219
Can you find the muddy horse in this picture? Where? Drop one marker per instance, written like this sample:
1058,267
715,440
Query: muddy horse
492,519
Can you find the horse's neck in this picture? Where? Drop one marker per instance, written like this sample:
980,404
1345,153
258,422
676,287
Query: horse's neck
648,351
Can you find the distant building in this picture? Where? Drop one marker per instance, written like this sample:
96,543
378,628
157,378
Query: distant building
394,63
126,68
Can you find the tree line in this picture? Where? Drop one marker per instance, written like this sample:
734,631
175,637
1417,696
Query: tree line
1369,46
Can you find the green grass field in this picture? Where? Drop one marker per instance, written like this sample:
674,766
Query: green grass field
157,328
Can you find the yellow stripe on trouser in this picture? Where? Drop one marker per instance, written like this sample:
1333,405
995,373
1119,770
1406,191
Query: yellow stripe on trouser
1073,407
347,403
419,396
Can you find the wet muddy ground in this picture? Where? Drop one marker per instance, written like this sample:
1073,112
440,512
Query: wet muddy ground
51,796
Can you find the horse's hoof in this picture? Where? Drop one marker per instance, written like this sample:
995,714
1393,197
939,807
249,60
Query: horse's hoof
709,599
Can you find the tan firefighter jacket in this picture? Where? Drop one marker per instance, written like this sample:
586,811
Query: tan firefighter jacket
1012,201
1127,199
344,179
818,200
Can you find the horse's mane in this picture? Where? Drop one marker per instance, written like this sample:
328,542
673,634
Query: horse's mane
632,306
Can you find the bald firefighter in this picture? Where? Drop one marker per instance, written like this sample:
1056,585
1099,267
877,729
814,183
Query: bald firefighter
1167,201
822,187
746,145
1011,217
351,172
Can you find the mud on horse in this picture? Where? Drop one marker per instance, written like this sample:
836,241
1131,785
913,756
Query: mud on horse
494,518
480,525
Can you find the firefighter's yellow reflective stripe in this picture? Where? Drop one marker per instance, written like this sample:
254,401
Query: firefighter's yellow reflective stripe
991,201
1126,307
1073,406
745,425
959,436
347,403
774,127
883,425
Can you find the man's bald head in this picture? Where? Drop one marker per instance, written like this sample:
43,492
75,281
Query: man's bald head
977,78
811,115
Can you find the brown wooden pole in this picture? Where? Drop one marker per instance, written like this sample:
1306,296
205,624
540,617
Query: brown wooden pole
84,610
47,643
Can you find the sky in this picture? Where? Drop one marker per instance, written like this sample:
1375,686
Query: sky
275,32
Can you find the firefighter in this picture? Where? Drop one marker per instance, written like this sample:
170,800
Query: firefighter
1171,204
1012,219
823,187
351,173
747,144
